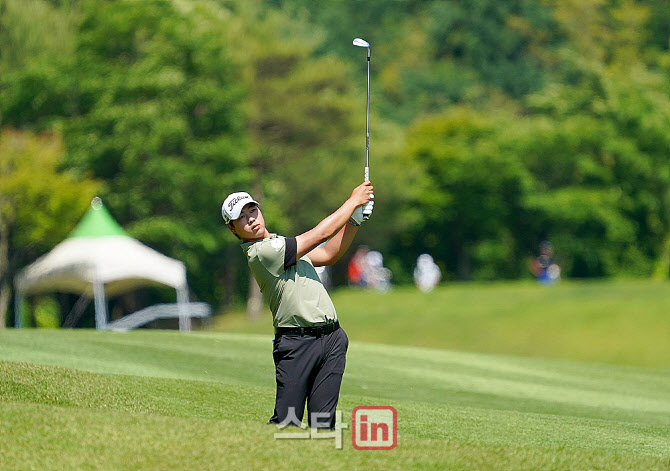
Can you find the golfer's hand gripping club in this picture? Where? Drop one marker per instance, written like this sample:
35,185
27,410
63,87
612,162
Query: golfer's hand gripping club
367,208
360,196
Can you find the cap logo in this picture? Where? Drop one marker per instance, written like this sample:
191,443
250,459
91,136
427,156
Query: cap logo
236,200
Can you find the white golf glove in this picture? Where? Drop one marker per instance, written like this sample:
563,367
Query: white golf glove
367,208
357,218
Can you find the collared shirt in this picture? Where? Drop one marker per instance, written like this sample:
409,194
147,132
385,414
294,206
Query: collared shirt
292,287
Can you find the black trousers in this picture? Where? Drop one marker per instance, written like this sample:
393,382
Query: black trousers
309,368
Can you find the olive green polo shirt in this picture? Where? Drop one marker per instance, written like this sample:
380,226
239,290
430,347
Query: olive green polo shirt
293,289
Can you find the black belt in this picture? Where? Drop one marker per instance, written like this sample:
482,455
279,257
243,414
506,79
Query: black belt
315,330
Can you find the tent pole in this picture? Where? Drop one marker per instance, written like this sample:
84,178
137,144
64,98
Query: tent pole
100,305
18,298
182,307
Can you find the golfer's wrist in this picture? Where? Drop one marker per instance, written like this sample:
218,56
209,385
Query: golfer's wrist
351,205
348,208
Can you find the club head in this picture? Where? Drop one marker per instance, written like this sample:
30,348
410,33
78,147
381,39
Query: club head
361,42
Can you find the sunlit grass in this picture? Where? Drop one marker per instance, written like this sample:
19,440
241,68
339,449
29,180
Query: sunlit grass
73,400
623,322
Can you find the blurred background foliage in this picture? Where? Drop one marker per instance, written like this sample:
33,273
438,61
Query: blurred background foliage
494,126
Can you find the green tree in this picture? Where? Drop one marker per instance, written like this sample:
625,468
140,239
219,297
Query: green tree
609,115
39,204
469,194
150,104
37,40
31,30
432,54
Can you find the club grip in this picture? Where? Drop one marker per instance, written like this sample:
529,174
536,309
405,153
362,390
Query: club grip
367,209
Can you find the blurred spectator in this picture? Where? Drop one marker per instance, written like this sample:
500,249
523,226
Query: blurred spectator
377,276
426,274
358,266
544,267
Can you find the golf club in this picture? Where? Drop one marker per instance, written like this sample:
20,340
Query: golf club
367,210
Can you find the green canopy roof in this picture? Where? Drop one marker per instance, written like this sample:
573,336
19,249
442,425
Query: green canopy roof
97,223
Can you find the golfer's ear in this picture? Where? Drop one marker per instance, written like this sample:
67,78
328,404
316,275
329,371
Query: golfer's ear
232,228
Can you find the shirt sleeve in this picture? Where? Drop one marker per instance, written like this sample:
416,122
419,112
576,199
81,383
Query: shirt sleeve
290,253
270,254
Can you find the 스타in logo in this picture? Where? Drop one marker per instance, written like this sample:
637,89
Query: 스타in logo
374,428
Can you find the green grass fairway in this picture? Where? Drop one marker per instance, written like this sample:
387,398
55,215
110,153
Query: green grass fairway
625,322
83,400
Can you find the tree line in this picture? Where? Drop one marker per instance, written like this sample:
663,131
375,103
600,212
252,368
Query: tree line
494,126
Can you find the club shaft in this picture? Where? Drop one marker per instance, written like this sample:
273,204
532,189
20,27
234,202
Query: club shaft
366,214
367,210
367,124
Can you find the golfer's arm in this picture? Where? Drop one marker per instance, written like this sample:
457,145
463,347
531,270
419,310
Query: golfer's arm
324,230
334,248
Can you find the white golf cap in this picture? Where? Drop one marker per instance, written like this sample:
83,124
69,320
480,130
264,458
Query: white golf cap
233,204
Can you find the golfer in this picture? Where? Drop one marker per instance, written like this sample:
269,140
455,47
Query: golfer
309,345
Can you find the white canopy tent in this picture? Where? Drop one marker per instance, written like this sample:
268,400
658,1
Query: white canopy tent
100,260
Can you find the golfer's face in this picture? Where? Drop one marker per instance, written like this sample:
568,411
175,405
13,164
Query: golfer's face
250,224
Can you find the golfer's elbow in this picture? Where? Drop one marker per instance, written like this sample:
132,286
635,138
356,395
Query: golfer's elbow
329,261
335,255
333,260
